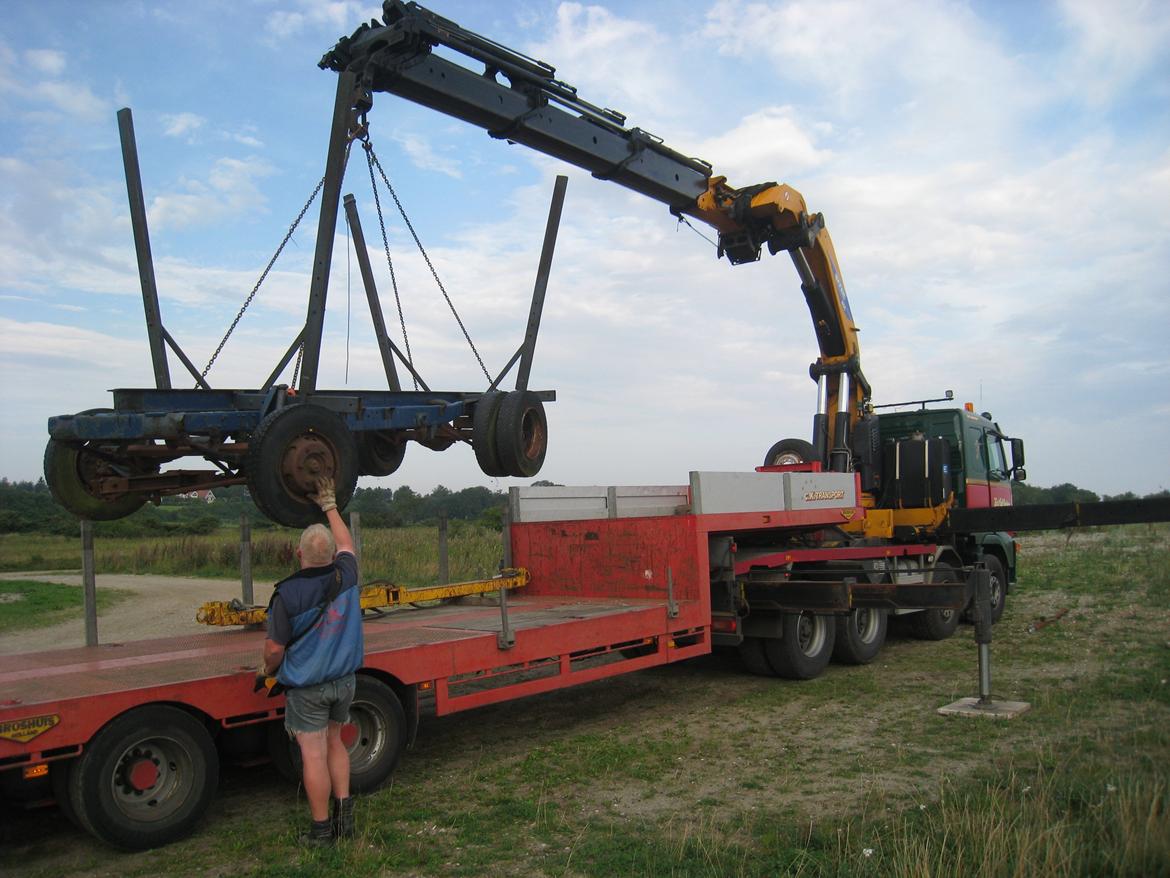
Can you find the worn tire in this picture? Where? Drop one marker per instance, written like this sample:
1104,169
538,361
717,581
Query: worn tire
754,657
999,586
483,433
66,467
145,779
936,624
380,452
790,451
291,448
860,636
521,434
805,647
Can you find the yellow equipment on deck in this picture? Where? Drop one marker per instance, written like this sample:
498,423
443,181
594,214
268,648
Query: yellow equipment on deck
375,596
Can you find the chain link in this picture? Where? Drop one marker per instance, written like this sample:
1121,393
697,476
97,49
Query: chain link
410,226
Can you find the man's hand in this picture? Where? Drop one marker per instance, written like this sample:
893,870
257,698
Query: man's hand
325,497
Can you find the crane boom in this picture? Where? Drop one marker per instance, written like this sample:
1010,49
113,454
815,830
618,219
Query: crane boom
519,99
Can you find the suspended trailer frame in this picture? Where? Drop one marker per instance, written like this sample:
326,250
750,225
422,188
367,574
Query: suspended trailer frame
105,464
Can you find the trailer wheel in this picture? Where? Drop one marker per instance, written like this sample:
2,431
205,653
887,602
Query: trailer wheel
805,646
375,737
789,451
936,624
860,636
145,779
521,434
483,433
754,658
69,472
289,451
380,453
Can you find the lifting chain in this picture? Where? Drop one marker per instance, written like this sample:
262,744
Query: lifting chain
373,158
248,301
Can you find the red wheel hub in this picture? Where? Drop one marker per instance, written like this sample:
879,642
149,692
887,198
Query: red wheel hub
143,774
349,735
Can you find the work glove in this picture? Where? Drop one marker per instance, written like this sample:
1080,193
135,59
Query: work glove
267,681
325,497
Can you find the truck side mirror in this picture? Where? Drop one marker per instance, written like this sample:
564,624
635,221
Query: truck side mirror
1017,455
1019,474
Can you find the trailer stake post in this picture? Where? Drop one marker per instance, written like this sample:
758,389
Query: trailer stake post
89,582
984,705
507,637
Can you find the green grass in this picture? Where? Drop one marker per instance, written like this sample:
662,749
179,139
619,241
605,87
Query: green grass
26,604
406,556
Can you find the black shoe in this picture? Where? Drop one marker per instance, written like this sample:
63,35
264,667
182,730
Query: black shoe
343,818
320,833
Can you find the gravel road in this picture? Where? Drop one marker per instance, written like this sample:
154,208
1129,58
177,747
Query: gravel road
162,606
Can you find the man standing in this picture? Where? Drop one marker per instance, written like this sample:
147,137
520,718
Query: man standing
314,646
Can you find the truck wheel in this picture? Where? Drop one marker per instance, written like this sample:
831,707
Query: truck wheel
380,453
936,624
70,470
789,451
998,586
860,636
805,646
751,652
375,737
521,434
289,451
483,433
145,779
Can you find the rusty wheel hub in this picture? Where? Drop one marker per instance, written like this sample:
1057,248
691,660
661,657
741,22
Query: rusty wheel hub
307,458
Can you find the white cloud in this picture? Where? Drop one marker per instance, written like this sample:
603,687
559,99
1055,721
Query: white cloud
1115,43
230,187
47,61
312,14
424,156
181,124
762,144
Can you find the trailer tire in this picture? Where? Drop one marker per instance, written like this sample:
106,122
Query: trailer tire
805,647
521,434
936,624
483,433
290,449
754,657
860,636
145,779
790,451
380,452
59,779
375,736
66,467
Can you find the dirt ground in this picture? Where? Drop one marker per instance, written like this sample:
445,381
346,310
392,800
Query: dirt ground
161,606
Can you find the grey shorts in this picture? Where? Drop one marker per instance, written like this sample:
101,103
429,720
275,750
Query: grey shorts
312,708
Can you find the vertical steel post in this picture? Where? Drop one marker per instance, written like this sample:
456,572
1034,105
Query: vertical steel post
89,583
326,229
355,530
444,572
363,258
983,630
154,330
246,559
542,273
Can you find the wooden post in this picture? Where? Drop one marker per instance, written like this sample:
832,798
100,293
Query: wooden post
355,530
89,582
444,572
246,558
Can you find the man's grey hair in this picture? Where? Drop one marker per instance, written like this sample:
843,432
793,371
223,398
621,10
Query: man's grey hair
317,546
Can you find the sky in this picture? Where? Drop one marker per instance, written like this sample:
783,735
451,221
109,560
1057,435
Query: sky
995,176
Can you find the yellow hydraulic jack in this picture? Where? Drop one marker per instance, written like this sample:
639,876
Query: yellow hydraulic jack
375,596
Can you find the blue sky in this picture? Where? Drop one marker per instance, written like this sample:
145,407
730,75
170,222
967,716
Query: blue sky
995,177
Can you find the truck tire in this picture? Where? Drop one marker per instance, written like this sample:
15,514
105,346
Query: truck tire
290,449
521,434
483,433
860,636
754,658
789,451
805,647
936,624
145,779
999,584
380,452
375,736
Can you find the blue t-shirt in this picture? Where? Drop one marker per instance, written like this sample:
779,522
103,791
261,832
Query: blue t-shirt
334,647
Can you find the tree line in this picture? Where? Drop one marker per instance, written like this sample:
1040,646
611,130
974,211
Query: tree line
29,507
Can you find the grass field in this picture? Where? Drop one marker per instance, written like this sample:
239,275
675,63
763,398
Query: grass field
700,769
27,604
407,556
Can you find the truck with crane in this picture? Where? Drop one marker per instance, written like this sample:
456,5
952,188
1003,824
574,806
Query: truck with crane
794,564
